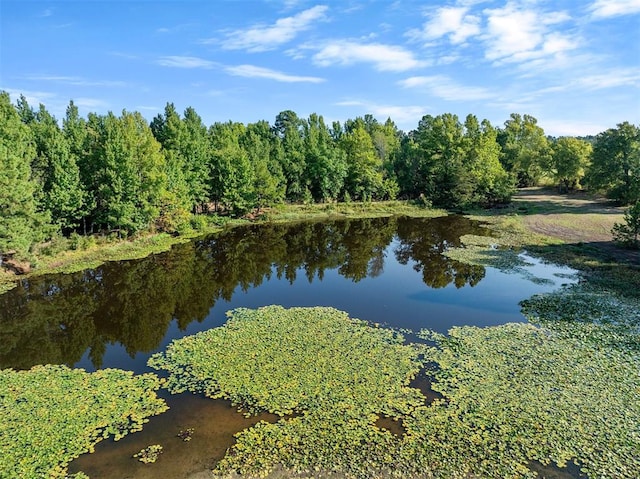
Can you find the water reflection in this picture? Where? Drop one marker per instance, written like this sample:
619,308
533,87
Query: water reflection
63,318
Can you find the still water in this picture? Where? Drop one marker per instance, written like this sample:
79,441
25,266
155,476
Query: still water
385,270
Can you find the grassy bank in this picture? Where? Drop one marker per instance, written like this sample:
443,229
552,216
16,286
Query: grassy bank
79,253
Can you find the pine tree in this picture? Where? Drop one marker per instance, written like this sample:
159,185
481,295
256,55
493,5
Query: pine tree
21,225
62,192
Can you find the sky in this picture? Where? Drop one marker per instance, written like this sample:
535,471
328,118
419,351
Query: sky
573,65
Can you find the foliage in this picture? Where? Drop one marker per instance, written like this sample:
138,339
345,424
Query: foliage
628,233
451,164
149,454
186,147
562,397
525,149
326,165
232,178
21,225
615,167
55,168
336,374
364,169
52,414
288,128
491,183
440,143
597,315
570,160
516,393
124,172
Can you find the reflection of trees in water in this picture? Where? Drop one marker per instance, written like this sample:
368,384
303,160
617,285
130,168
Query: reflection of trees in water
424,241
55,319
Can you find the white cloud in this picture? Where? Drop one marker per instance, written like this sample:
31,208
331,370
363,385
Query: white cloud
90,103
77,81
445,88
619,77
252,71
383,57
452,21
611,79
517,34
267,37
405,116
614,8
175,29
184,62
560,127
32,97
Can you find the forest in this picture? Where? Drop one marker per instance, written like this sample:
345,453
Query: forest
120,174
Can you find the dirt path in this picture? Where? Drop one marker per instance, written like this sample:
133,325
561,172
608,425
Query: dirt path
573,218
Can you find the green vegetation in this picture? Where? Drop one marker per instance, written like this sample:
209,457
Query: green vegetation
615,168
149,454
628,233
511,395
77,253
514,394
52,414
117,175
336,375
570,160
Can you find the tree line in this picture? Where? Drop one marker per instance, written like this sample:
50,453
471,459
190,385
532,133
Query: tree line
121,173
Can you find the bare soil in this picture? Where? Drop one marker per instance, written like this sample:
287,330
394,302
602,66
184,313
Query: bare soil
575,217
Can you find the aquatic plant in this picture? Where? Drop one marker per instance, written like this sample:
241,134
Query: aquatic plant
516,393
511,395
149,454
52,414
590,313
186,434
335,374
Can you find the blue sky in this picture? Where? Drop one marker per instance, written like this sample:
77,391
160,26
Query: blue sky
574,65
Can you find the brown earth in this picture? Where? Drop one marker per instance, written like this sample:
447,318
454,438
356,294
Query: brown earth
575,217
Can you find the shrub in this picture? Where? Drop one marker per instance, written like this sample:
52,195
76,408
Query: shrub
628,234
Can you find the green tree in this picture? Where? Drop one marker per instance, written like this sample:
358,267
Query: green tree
615,163
262,148
570,160
405,167
187,150
177,201
288,127
25,112
628,233
491,183
63,196
444,178
21,225
126,171
525,149
364,178
325,162
386,142
232,178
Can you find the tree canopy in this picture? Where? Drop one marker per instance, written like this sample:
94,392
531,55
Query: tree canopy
109,172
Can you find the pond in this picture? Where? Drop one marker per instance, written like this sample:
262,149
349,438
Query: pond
385,270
